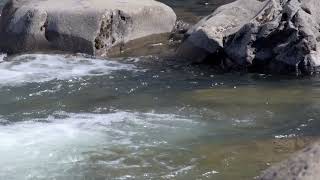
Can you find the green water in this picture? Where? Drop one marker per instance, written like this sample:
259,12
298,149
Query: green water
70,117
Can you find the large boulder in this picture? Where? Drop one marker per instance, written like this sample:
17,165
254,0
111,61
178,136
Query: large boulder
206,37
85,26
279,36
304,165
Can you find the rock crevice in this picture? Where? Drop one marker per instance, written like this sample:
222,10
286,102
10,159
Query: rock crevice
92,26
274,36
114,27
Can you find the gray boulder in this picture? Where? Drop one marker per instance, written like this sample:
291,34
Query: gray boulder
206,37
279,36
85,26
304,165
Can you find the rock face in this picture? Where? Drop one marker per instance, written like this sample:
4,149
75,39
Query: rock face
277,36
85,26
301,166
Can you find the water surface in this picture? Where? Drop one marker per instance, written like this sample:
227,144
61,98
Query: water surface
74,117
193,10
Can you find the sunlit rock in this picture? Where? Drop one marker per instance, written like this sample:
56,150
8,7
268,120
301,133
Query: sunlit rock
86,26
274,36
304,165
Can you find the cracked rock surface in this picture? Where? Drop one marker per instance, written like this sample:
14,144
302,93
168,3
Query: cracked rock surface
271,36
84,26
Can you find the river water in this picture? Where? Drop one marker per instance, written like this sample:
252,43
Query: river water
71,117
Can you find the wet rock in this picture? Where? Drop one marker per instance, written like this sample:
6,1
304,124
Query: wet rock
304,165
86,26
179,30
274,36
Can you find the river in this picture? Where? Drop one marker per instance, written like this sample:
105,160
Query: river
70,117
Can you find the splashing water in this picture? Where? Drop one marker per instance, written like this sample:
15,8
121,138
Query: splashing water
50,147
43,67
70,117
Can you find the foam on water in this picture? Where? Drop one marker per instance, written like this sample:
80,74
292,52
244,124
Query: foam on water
30,68
53,146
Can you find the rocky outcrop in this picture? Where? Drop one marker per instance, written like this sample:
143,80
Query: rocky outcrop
304,165
277,36
85,26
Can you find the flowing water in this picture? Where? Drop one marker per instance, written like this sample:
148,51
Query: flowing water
71,117
74,117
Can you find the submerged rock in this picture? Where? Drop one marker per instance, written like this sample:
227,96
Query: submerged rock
86,26
301,166
228,158
277,36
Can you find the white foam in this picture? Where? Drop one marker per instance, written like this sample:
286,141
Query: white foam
210,173
182,170
43,67
2,57
42,148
